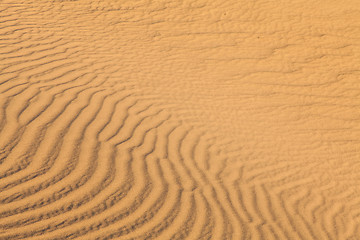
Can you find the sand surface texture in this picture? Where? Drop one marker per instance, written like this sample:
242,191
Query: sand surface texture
155,119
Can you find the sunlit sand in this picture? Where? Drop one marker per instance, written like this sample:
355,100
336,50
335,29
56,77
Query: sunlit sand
179,119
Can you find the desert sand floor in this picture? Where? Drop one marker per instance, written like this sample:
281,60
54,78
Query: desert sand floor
143,119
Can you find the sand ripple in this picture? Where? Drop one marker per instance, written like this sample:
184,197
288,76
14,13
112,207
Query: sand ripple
179,120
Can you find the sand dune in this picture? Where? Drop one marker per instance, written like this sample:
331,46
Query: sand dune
179,119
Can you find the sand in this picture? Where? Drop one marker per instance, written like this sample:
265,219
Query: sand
179,119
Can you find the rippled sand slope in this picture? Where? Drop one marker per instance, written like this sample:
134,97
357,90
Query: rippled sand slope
179,119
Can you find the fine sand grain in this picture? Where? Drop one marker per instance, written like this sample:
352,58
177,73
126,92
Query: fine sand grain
141,119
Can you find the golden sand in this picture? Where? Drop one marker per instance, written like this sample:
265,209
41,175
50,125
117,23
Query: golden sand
179,119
